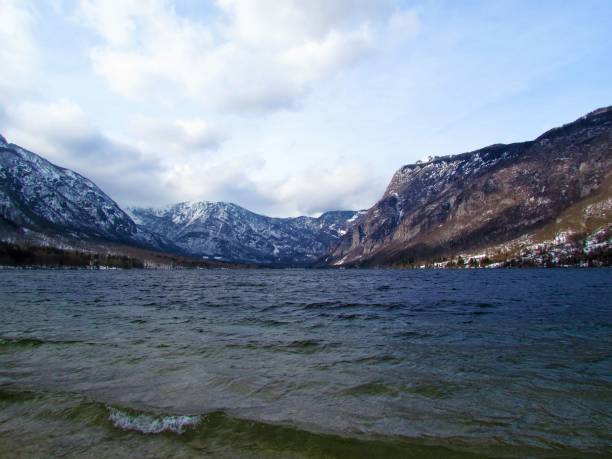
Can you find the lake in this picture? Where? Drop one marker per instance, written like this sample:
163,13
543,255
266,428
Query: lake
306,363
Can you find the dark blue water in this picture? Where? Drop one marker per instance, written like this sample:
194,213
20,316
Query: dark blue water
306,363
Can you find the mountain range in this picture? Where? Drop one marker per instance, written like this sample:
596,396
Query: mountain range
541,202
44,204
225,231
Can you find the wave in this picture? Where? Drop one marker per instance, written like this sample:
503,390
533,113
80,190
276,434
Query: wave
31,342
150,424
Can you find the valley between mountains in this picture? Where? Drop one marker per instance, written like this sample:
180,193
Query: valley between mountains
545,202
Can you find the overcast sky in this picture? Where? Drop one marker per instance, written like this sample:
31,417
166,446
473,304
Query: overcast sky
288,107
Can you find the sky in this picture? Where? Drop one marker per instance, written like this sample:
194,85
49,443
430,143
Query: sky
288,107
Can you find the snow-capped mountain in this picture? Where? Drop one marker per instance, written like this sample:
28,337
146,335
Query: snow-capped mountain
43,203
478,201
227,231
39,200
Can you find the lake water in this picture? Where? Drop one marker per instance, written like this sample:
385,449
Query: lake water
306,363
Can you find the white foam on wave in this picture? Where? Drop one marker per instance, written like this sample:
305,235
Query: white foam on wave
148,424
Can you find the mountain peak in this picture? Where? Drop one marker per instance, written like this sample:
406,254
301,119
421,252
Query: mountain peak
599,111
56,202
195,203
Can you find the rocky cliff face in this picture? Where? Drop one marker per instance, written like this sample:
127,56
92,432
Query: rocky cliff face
226,231
39,200
479,200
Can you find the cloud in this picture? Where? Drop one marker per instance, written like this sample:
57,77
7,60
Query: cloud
250,56
243,56
18,50
339,186
219,179
309,192
50,127
178,137
162,171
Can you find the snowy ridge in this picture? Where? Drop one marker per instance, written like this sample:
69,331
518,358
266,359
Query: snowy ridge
226,231
38,197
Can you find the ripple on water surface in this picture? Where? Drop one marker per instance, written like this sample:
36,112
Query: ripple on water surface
367,363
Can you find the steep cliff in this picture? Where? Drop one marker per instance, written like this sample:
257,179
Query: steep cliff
479,200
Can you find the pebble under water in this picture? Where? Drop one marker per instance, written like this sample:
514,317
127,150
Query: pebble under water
306,363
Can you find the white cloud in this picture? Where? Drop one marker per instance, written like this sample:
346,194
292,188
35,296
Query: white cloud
274,23
218,179
340,186
310,192
48,127
18,51
178,137
176,162
251,56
